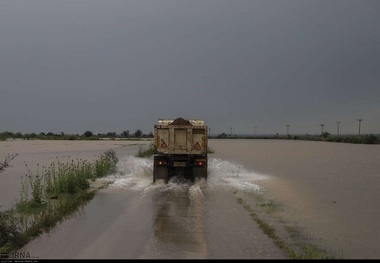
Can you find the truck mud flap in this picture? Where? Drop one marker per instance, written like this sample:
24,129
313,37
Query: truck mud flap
160,172
200,172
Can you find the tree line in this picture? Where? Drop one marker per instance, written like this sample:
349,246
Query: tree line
87,135
357,139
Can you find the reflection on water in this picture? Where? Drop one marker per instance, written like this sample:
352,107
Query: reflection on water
178,222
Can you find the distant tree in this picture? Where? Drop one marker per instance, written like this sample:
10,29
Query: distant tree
222,135
151,135
125,134
137,134
369,139
88,134
7,134
325,134
111,134
71,137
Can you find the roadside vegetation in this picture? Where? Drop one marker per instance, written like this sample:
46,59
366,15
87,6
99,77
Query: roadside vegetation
287,238
49,196
6,161
146,152
87,135
210,150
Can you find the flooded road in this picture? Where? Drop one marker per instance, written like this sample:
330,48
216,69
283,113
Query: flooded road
328,190
136,219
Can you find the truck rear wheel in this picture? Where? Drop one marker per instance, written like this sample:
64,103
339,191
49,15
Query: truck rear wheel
189,174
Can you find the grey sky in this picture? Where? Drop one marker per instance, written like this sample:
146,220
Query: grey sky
112,65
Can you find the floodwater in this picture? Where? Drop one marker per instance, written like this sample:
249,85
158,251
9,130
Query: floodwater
328,189
34,154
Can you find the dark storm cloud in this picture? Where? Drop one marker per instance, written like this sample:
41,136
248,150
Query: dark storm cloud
114,65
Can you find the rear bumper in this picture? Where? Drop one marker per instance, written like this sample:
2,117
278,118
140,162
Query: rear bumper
184,161
167,166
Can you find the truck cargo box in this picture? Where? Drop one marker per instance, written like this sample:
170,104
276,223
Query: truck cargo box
180,149
180,136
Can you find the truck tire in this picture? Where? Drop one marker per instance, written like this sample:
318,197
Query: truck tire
188,174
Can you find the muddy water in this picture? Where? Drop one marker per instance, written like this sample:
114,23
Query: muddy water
135,219
34,154
329,190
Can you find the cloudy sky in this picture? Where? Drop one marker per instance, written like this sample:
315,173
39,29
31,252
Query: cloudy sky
113,65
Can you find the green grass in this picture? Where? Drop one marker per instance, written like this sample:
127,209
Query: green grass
146,152
50,196
210,150
294,249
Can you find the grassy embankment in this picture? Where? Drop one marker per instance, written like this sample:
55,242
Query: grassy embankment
49,197
285,236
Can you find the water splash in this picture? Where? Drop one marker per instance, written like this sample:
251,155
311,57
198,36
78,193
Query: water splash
228,174
134,173
137,174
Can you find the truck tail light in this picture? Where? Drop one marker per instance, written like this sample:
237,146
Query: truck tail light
161,163
199,163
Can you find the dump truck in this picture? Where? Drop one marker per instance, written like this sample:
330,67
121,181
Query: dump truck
180,149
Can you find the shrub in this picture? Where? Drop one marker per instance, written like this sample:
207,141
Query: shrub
50,196
146,153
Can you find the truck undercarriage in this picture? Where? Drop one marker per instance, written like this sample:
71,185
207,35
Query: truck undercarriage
189,167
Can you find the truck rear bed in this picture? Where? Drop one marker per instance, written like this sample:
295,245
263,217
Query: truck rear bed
181,149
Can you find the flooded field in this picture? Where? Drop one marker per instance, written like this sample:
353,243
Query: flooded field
330,191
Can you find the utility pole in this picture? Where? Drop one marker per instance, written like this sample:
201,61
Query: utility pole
209,132
287,129
230,131
360,121
322,128
337,128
